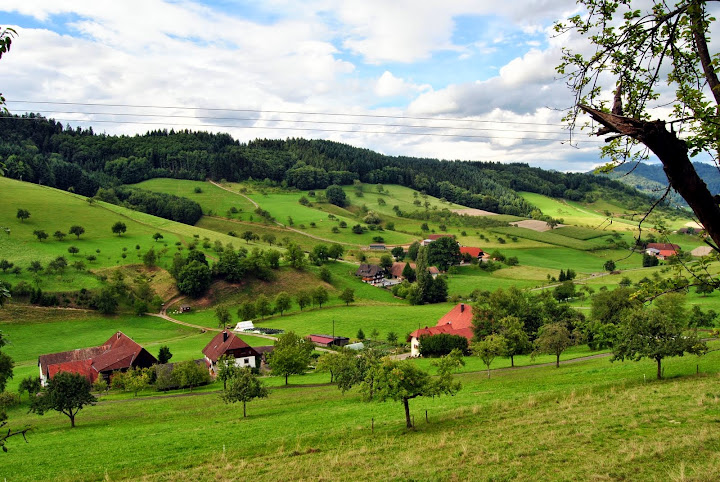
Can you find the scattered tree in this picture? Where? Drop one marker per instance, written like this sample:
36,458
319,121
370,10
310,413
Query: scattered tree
223,316
320,296
283,302
609,265
157,237
348,296
304,298
488,349
66,393
119,228
262,306
31,385
553,339
291,355
164,355
244,387
77,230
23,214
59,235
40,234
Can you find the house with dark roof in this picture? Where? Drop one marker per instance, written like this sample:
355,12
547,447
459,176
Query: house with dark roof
227,343
370,273
119,353
457,321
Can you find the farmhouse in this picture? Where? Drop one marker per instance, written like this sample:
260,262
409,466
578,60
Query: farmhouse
457,321
119,353
476,253
327,340
227,343
370,273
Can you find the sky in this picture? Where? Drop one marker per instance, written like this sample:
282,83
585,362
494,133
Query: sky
454,80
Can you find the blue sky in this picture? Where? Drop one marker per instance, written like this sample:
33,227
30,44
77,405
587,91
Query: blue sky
485,68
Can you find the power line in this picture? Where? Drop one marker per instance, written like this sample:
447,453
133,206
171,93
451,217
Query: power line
205,126
261,111
299,121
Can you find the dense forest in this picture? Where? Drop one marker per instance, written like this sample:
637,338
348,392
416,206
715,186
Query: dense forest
43,151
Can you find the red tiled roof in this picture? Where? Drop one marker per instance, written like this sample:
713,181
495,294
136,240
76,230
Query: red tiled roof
457,321
321,339
117,353
474,252
664,246
82,367
218,347
666,253
435,237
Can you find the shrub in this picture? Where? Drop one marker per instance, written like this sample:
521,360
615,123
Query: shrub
442,344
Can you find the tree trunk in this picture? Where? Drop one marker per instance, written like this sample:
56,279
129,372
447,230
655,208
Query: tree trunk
244,413
659,371
286,375
673,153
488,367
512,361
408,422
72,420
557,360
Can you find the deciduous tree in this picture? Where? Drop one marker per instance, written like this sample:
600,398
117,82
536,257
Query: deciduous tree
118,228
67,393
77,230
23,214
553,339
291,355
244,387
488,349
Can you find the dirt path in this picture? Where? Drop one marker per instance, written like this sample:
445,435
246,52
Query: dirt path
235,192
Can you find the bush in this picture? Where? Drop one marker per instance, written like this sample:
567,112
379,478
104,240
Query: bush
442,344
9,400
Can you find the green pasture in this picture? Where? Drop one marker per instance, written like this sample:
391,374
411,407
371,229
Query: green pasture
575,213
581,261
470,278
212,199
611,419
551,237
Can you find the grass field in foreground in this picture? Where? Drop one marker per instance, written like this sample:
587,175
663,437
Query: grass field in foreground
523,424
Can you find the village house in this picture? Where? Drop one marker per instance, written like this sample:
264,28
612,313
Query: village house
435,237
370,273
457,321
119,353
662,250
227,343
475,253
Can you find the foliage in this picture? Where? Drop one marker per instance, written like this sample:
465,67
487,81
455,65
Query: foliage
320,296
348,296
283,302
31,385
402,381
164,355
291,355
517,341
443,253
244,387
655,334
223,316
262,306
608,308
188,374
489,348
553,339
442,344
119,228
609,265
66,393
194,278
336,195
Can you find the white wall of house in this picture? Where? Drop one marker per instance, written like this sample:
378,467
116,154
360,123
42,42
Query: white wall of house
414,347
248,361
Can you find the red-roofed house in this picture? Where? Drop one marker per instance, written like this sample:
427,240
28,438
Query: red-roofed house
398,267
662,246
457,321
476,253
666,253
227,343
119,353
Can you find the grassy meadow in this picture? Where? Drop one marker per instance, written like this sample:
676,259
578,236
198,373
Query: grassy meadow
612,420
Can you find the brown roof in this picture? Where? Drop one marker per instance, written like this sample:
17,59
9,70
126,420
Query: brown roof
225,342
435,237
663,246
369,270
397,269
117,353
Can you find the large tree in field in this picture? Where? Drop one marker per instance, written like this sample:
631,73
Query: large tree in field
244,387
66,393
402,381
553,339
291,355
658,53
656,334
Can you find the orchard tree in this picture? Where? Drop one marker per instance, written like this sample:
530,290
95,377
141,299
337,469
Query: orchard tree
291,355
223,316
157,237
244,387
303,298
320,296
227,368
517,341
67,393
22,214
40,234
658,53
31,385
553,339
609,265
59,235
488,349
655,334
77,230
402,381
348,296
246,311
119,228
262,306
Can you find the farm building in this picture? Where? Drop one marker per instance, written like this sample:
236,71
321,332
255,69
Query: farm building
119,353
476,253
377,247
327,340
457,321
370,273
227,343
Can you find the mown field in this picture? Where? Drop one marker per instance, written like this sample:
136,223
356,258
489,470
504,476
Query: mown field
591,419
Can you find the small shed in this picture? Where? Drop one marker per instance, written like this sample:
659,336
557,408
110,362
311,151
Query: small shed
377,247
328,340
185,308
